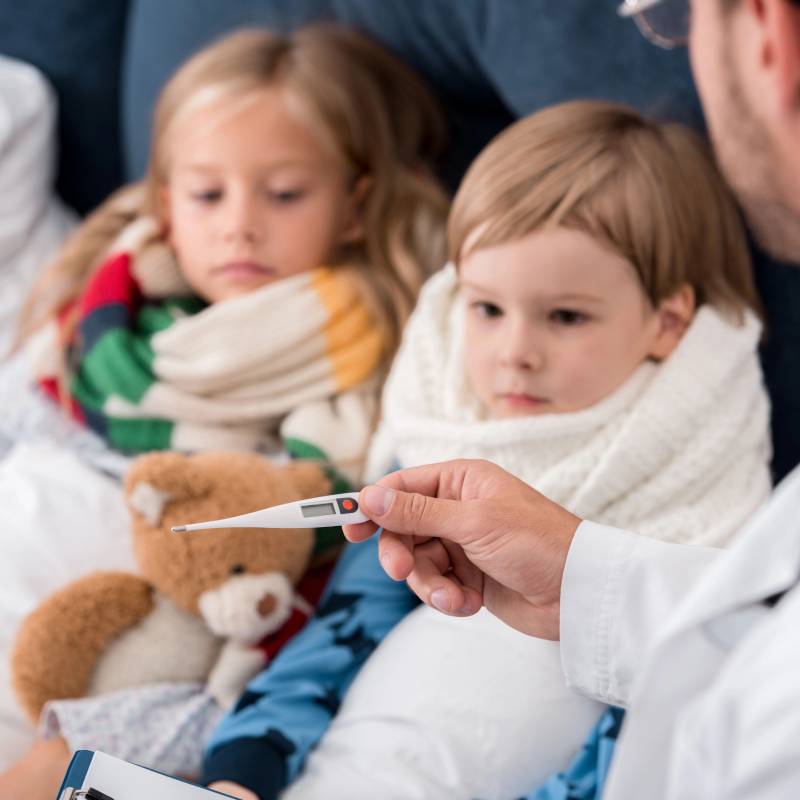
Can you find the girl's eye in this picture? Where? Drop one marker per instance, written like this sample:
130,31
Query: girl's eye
487,310
207,195
566,316
287,195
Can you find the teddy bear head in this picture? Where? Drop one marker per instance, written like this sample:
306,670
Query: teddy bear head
240,580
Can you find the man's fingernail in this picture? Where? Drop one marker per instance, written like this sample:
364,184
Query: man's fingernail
386,560
441,600
376,500
467,608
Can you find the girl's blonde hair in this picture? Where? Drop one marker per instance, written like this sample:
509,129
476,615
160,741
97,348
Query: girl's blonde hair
649,191
376,112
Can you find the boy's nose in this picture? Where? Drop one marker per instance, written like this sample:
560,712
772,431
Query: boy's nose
521,352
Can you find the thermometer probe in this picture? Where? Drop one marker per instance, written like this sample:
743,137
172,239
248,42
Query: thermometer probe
317,512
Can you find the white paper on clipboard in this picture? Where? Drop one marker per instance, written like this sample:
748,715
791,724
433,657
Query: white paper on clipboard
121,780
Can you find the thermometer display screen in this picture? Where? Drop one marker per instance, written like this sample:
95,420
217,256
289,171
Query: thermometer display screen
318,510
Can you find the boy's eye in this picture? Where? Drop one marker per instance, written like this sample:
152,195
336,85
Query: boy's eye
566,316
287,195
488,310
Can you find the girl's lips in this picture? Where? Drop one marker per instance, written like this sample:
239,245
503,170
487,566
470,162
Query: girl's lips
244,270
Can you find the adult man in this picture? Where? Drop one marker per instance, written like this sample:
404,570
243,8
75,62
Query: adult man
707,665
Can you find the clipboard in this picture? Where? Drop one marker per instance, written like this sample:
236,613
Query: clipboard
93,775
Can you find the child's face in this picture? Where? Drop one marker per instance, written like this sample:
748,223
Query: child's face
556,322
253,195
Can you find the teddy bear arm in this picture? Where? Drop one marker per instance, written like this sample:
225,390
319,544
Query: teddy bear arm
237,664
60,642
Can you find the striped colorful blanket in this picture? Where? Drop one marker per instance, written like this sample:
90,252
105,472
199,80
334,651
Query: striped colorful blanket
291,365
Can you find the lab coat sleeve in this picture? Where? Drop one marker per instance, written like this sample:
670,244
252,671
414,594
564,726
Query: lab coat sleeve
618,590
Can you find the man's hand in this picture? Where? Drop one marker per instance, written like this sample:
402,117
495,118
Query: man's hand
465,534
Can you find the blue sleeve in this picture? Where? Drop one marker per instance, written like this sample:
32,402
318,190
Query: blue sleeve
263,742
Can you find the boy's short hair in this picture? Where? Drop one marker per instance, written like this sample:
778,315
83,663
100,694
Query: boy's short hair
649,191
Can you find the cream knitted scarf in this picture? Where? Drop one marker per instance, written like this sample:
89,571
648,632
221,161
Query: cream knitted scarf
679,452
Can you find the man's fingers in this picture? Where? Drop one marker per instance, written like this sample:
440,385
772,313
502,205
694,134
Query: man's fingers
470,576
445,593
410,513
396,554
436,581
360,531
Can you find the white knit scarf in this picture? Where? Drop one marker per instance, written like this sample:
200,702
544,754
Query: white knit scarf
679,452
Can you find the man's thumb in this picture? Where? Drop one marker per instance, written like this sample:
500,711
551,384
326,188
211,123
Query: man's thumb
376,501
408,512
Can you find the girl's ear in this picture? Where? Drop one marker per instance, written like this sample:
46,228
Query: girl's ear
674,315
163,210
353,229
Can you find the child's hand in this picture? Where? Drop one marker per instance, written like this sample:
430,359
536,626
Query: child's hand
37,775
234,790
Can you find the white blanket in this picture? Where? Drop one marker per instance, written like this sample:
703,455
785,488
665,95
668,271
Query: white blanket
59,520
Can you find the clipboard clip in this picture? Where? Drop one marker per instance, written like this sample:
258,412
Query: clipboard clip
84,794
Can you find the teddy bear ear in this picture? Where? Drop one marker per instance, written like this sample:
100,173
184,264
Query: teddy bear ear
155,479
309,477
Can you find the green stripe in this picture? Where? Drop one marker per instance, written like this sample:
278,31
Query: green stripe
153,319
299,448
139,435
120,363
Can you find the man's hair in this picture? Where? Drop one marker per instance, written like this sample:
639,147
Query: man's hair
651,192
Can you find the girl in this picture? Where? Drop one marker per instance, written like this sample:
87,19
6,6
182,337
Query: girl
283,183
247,294
596,335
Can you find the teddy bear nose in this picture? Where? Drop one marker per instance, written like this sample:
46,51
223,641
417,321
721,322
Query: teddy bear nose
237,569
266,605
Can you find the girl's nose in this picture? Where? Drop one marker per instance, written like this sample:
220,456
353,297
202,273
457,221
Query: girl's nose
241,222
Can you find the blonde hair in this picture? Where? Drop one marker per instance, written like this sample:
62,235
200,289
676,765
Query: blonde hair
649,191
377,113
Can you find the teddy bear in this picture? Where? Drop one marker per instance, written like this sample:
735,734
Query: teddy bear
201,600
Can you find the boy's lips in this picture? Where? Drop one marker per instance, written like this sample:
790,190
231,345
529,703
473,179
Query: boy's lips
523,400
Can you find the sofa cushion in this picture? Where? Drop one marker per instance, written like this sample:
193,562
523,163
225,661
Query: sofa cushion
77,45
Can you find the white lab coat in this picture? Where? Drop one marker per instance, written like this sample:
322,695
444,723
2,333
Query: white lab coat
709,674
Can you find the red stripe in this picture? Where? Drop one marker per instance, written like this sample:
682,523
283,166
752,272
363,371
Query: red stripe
50,388
310,588
112,283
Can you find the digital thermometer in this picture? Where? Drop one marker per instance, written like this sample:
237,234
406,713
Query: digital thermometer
317,512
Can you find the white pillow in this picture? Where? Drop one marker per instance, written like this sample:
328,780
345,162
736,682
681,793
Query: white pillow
450,707
59,520
33,223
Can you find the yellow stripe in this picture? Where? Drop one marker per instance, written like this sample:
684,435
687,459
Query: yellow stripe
353,340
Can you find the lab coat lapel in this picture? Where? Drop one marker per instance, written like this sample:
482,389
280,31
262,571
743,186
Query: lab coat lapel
764,560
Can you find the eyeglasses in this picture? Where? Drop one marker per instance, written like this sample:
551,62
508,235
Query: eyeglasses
663,22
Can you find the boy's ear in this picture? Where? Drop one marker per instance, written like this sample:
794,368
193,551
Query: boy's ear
674,315
353,230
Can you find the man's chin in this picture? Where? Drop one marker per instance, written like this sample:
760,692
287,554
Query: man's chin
775,227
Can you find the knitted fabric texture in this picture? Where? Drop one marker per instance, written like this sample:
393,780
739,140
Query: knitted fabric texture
679,452
151,367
